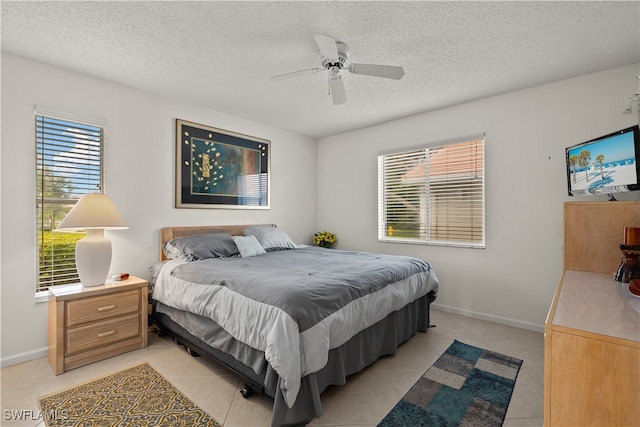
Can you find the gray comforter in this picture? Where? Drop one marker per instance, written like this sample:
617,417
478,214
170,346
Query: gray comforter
295,305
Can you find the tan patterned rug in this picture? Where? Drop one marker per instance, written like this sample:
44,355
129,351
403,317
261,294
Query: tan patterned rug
135,397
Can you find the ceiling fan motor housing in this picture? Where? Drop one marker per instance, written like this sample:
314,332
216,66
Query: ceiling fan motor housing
342,61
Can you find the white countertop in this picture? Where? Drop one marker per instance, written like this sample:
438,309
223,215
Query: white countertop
595,302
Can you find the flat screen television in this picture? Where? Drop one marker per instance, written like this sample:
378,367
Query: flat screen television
605,165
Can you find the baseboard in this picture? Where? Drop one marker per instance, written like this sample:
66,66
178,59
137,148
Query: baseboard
489,317
24,357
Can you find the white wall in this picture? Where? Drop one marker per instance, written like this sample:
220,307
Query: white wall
139,178
513,279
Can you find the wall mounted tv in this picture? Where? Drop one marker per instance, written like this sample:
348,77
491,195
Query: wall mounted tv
605,165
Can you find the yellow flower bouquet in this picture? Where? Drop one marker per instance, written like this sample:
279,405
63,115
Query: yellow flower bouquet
324,239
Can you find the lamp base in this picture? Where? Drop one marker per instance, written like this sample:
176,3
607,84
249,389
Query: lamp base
93,258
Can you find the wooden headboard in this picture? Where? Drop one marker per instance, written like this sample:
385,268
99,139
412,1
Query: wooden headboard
169,233
593,232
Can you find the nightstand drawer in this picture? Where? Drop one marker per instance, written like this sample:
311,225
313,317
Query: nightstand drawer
102,307
87,337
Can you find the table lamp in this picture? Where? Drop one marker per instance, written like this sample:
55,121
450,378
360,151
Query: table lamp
94,213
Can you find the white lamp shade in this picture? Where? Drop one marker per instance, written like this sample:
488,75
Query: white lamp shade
93,212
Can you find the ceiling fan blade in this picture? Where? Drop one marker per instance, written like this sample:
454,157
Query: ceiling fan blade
336,87
386,71
294,74
327,46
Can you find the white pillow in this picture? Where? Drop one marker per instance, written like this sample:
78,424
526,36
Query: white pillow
248,246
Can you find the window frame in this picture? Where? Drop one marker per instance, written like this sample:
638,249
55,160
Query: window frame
474,186
94,131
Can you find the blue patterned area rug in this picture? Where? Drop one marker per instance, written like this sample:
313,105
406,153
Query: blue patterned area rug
466,386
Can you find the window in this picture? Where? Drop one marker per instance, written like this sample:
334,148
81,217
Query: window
69,163
433,194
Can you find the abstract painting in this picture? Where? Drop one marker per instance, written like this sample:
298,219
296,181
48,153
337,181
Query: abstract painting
216,168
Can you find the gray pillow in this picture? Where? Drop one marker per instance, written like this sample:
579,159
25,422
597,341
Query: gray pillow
201,246
248,246
271,238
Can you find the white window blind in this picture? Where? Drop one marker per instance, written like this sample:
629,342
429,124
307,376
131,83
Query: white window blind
433,194
69,163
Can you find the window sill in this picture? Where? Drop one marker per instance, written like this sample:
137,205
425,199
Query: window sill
42,296
433,243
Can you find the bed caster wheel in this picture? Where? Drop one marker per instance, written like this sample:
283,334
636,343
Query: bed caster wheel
246,391
191,352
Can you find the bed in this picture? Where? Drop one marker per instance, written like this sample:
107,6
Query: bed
288,319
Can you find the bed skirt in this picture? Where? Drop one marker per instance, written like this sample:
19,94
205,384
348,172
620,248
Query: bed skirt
382,338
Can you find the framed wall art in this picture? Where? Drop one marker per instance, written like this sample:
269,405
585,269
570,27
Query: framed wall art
216,168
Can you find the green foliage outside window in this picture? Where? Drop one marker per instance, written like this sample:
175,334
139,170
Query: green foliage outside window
57,253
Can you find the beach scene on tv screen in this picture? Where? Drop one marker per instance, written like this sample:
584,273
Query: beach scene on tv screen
605,163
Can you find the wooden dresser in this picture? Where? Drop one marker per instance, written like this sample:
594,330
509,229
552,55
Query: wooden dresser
93,323
592,331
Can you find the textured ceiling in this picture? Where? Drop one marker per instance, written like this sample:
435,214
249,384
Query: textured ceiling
221,54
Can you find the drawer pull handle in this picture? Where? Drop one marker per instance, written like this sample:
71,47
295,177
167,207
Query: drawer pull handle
106,334
107,307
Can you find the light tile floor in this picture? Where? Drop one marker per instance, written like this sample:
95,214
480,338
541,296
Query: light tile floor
363,401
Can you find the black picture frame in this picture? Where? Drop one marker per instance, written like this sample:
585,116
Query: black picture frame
216,168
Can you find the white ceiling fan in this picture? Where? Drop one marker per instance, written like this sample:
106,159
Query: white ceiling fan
335,57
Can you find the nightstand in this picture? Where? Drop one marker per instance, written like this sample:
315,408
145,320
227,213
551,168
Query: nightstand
87,324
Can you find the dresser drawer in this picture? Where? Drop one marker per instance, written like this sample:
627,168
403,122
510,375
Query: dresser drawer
103,307
90,336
